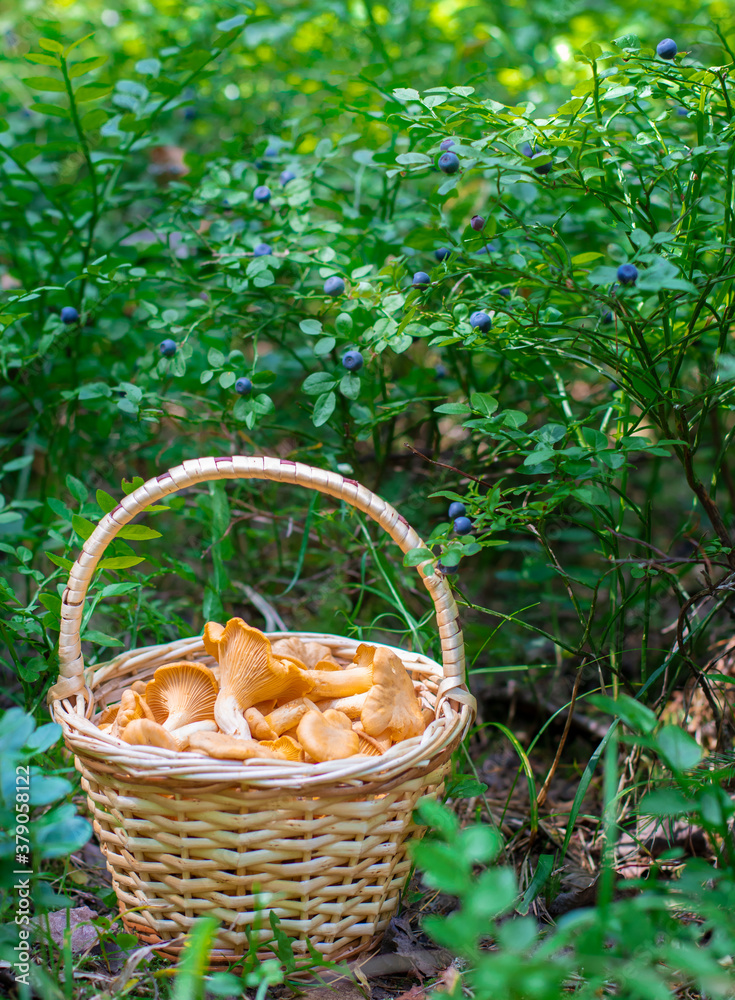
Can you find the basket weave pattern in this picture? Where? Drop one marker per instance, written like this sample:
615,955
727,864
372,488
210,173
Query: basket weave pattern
323,846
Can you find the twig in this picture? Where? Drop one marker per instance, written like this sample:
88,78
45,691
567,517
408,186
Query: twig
452,468
541,797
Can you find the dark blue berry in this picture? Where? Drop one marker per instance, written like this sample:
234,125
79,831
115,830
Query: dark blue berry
489,248
441,371
607,318
478,223
442,253
505,292
456,509
262,193
627,274
261,250
666,48
243,386
286,176
481,321
352,361
446,144
334,286
69,314
463,525
271,151
167,348
527,150
543,168
421,280
449,163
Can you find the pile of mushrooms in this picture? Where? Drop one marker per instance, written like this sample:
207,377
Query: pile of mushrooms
286,700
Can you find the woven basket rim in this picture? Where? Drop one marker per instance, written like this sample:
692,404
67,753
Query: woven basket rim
182,768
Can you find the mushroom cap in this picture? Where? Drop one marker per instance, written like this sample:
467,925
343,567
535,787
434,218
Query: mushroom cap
285,747
107,716
249,673
327,736
139,687
307,652
146,732
181,693
382,742
391,705
227,747
132,706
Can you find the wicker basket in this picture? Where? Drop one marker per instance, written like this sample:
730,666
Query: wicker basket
321,845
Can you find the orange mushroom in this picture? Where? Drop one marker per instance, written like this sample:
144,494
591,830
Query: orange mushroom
391,707
131,707
249,673
287,716
227,747
327,736
146,732
285,747
181,693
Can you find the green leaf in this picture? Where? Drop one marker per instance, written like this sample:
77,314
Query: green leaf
41,59
311,327
679,750
317,383
86,66
93,119
77,488
148,67
633,713
406,94
59,561
45,83
138,532
91,92
82,526
51,109
416,556
50,45
324,408
101,638
484,403
120,562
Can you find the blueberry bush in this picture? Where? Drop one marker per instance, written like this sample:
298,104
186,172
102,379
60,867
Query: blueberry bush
477,258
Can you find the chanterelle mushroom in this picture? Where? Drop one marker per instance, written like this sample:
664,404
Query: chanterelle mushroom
145,732
308,652
181,693
249,673
327,736
391,706
132,707
342,683
227,747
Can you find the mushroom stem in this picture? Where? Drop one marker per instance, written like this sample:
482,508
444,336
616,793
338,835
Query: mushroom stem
229,717
184,733
286,716
340,683
258,725
352,706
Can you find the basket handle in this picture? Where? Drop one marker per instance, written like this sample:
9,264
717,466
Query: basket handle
71,681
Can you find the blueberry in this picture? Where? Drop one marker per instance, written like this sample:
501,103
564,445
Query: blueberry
421,280
441,371
334,286
607,318
478,223
262,250
527,150
446,144
167,348
505,292
463,525
489,248
627,274
286,176
243,386
666,48
481,321
442,253
456,509
352,361
190,114
262,194
69,314
271,151
543,168
449,163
